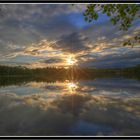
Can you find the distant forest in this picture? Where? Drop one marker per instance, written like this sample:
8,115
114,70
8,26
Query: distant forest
19,74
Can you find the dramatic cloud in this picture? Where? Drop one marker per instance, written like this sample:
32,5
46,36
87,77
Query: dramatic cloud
47,34
72,43
116,58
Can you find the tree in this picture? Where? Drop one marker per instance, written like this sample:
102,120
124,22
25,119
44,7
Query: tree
120,14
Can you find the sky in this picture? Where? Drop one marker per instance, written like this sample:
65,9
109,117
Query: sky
47,35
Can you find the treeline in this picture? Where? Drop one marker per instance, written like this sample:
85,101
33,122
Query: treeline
20,75
131,72
24,71
52,73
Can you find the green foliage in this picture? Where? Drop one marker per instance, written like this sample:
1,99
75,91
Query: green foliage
132,41
122,15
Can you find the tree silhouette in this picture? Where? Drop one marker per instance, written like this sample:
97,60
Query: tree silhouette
123,15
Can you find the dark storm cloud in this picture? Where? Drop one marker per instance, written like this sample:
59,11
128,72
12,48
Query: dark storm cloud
120,58
72,43
53,60
23,24
56,27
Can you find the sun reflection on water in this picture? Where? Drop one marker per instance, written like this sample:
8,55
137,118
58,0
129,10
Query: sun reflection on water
72,86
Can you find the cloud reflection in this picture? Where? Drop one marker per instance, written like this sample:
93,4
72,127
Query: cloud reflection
37,114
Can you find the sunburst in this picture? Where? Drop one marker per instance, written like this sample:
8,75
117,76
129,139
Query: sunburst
71,60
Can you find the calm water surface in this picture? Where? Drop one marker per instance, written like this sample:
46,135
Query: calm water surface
108,106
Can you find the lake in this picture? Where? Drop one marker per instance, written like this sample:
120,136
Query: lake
106,106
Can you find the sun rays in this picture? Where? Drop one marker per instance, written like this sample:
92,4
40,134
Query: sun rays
70,60
72,86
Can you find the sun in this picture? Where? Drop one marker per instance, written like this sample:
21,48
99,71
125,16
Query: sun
71,60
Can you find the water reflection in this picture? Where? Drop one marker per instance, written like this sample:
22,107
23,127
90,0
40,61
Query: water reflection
98,107
72,86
